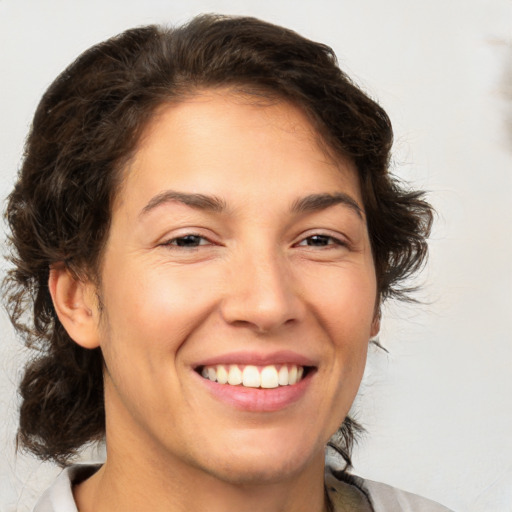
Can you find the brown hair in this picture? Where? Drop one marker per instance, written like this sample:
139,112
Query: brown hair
84,131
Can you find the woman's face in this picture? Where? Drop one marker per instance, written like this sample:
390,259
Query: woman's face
238,251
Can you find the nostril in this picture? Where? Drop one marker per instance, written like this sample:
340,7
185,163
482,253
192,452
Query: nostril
263,299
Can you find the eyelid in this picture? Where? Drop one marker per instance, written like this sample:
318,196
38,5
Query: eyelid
338,238
169,240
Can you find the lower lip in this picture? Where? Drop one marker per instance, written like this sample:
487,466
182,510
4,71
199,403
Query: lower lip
258,399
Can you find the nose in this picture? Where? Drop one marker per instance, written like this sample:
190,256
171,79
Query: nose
261,293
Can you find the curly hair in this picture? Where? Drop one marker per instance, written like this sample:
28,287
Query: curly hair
85,130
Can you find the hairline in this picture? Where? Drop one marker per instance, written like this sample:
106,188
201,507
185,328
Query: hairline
257,95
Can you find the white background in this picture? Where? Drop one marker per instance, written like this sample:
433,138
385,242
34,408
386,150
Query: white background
438,407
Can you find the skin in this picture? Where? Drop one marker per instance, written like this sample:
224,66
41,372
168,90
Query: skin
264,277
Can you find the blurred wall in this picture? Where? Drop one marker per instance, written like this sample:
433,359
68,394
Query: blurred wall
438,406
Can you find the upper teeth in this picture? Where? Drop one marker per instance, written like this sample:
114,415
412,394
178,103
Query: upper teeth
253,376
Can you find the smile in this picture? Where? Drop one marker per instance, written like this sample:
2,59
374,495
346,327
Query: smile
251,376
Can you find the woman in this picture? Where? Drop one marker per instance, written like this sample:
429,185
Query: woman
205,227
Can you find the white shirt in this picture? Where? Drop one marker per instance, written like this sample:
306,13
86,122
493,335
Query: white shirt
343,491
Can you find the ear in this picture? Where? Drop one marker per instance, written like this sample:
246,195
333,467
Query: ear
375,328
76,304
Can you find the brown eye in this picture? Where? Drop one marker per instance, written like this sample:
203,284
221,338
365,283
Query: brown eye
188,241
320,241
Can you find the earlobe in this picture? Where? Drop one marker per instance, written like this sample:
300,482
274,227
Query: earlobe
375,324
76,305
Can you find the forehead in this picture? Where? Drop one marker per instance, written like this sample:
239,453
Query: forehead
221,137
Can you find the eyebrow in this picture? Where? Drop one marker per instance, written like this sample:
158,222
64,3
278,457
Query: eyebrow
317,202
310,203
198,201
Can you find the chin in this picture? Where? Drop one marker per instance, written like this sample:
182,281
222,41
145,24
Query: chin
259,465
258,472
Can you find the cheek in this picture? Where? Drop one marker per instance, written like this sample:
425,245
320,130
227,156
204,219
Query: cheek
152,308
346,308
346,303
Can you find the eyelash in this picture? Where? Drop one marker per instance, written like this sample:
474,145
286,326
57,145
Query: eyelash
183,242
330,241
175,242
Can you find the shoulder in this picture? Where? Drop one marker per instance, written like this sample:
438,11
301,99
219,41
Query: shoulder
383,498
59,497
351,492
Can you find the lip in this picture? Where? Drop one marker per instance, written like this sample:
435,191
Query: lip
257,399
258,359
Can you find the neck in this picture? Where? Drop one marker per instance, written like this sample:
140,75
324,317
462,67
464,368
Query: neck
144,481
112,488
